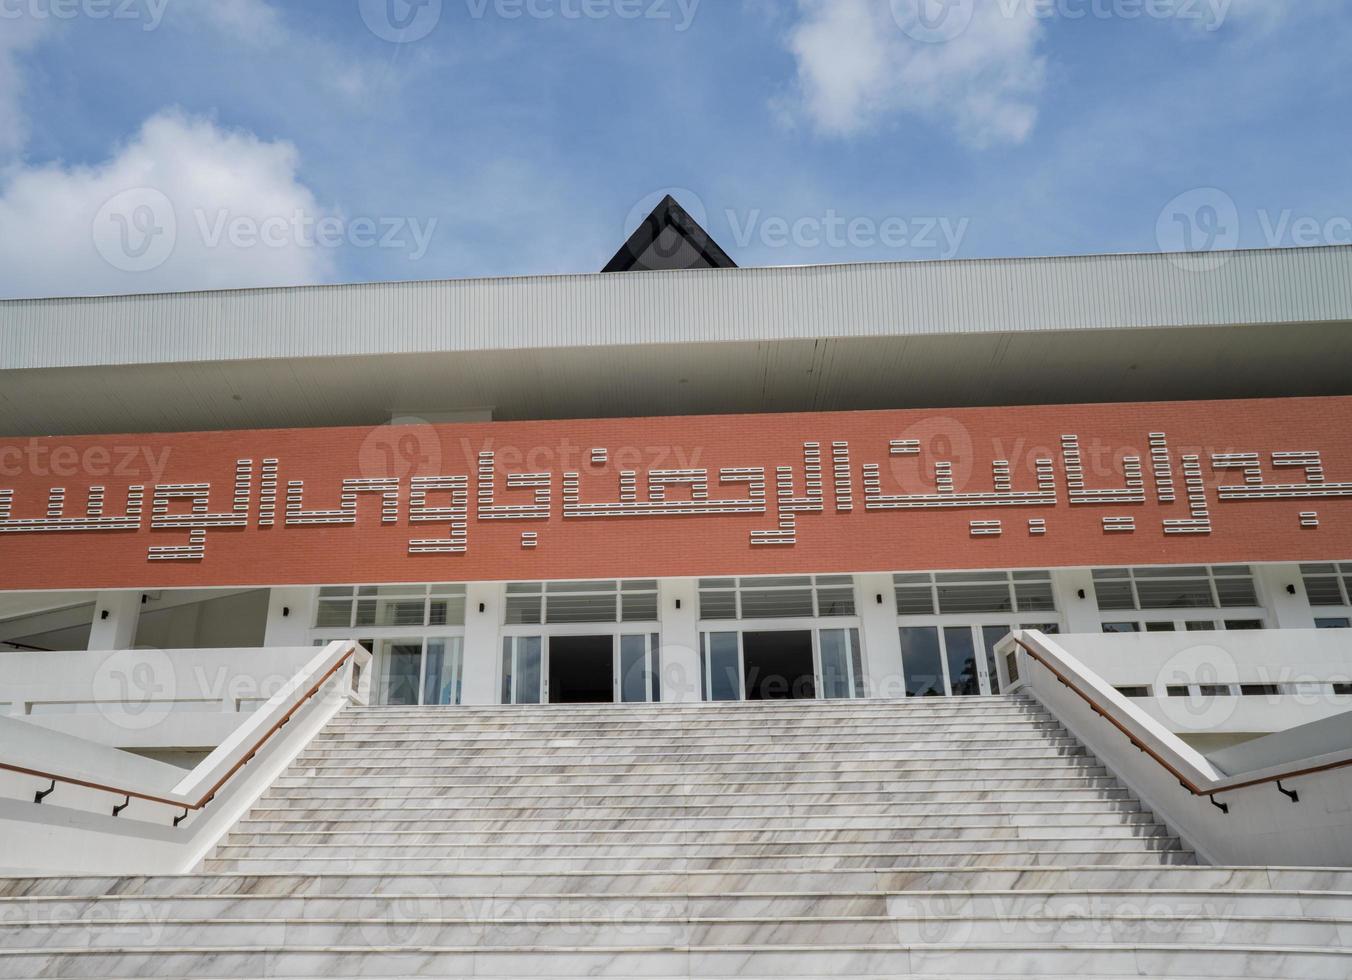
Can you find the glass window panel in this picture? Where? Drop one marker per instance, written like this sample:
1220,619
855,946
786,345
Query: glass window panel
1243,570
1243,624
1190,571
962,671
642,585
1034,596
523,609
1175,594
1333,623
1199,625
1110,574
725,671
912,578
442,672
407,612
528,668
718,605
1050,629
846,580
633,669
857,660
340,590
554,588
920,661
366,612
508,646
835,663
990,636
975,598
971,577
656,641
387,591
1038,576
1121,627
1160,628
835,601
1236,592
776,582
718,583
1114,595
447,612
639,608
402,662
1319,569
334,613
524,588
580,609
1323,591
913,601
776,603
367,590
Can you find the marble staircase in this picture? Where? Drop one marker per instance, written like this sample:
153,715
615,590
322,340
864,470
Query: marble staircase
955,838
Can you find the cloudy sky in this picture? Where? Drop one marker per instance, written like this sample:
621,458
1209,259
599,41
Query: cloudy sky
151,145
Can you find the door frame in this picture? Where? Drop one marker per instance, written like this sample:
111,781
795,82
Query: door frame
845,624
652,633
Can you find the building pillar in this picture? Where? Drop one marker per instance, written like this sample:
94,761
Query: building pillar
1079,615
875,599
116,615
483,641
291,613
1289,610
678,609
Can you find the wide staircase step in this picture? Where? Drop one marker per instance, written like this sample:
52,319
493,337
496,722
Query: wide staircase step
940,838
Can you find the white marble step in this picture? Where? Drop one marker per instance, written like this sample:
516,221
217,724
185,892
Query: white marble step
1006,877
577,784
1011,811
694,733
640,826
907,922
1089,959
1088,906
686,837
872,861
673,748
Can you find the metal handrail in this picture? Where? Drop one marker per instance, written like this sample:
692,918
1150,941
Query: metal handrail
1187,783
210,794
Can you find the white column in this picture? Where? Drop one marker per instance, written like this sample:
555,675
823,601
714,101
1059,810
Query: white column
291,613
115,617
678,609
879,635
484,603
1290,610
1080,615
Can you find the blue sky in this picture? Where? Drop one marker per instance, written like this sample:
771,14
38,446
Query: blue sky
288,141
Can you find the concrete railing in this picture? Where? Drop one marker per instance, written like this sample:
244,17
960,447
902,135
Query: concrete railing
1295,812
72,806
145,698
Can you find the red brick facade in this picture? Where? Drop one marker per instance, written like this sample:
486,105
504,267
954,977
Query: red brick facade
922,531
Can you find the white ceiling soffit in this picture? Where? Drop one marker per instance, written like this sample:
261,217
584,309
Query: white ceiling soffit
911,299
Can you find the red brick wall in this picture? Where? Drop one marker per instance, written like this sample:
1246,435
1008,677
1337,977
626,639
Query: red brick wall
860,540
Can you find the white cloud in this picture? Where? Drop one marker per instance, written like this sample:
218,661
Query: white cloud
151,217
254,21
857,67
16,35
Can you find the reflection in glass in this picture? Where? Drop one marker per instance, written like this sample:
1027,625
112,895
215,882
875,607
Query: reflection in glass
399,681
920,661
990,636
835,664
725,671
442,672
633,669
962,661
528,670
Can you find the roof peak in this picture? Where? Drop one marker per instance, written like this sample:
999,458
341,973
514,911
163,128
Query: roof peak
669,238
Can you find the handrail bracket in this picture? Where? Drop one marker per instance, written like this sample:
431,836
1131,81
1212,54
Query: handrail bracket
1290,794
42,794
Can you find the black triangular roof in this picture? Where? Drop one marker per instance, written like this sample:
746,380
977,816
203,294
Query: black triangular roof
693,248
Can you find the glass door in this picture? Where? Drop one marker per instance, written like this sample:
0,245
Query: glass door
523,678
413,671
840,664
638,677
837,665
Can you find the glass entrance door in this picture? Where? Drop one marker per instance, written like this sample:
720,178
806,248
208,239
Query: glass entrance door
958,661
803,664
